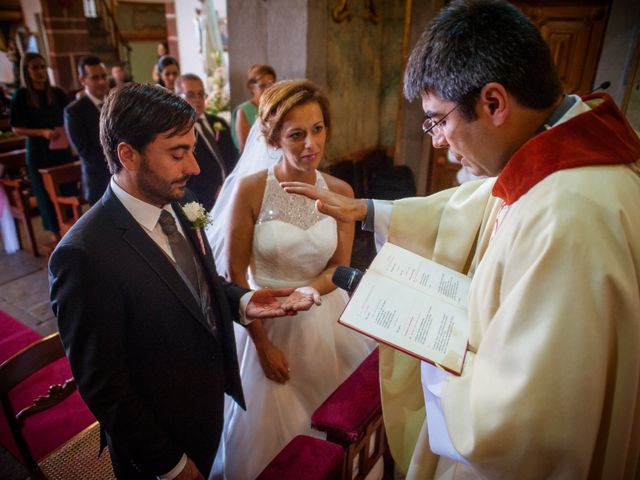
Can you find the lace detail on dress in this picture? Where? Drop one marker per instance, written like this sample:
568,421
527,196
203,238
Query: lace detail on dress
294,209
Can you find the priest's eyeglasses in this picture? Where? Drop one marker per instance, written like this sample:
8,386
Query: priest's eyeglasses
434,128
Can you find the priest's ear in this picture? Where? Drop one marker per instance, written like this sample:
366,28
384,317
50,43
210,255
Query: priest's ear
129,157
495,102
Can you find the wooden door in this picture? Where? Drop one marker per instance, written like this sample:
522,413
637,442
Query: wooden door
574,33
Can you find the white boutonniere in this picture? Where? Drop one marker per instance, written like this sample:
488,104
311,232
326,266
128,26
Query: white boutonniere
199,218
217,128
196,214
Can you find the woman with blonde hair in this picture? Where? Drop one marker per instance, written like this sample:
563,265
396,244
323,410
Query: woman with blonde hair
271,238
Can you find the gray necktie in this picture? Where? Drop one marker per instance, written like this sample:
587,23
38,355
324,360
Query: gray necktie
182,254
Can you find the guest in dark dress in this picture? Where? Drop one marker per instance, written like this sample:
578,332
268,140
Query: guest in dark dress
168,72
36,111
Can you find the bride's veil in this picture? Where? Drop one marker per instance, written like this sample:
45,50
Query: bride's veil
257,155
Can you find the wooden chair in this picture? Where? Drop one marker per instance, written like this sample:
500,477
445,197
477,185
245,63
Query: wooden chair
13,142
78,457
22,203
68,207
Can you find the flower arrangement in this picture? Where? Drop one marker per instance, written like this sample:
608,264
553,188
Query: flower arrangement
218,87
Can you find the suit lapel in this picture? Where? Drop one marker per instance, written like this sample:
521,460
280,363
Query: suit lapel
205,257
212,145
143,245
90,108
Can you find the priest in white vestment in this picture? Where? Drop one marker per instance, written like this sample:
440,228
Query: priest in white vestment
551,385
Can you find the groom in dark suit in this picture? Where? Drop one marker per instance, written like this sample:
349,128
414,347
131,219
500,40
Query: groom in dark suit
145,320
81,121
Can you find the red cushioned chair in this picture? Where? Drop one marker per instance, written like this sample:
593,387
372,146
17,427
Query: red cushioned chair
352,417
77,458
306,458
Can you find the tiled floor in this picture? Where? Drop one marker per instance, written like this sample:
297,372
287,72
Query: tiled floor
24,290
24,294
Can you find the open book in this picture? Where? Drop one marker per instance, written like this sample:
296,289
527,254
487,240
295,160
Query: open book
413,304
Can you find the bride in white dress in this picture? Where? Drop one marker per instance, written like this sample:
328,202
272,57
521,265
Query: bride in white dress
288,367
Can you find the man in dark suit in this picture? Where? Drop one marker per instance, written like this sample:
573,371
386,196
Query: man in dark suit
145,320
81,121
118,76
215,152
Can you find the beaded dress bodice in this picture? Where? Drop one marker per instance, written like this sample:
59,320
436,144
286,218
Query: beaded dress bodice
292,241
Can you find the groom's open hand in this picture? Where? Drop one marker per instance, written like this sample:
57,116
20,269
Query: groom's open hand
264,303
300,296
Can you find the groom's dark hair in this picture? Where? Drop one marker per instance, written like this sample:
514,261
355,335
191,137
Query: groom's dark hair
136,114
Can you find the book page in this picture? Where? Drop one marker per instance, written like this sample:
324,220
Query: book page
423,274
410,320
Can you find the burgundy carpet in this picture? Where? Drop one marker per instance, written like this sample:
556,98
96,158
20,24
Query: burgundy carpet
44,431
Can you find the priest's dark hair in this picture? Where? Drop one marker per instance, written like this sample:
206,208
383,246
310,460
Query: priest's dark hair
136,114
473,42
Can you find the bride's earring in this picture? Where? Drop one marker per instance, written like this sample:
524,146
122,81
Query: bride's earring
274,154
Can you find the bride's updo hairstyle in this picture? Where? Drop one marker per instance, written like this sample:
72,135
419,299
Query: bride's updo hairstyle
279,99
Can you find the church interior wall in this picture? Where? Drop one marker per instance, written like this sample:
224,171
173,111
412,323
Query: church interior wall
359,63
354,67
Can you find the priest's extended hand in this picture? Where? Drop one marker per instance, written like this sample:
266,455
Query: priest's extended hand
264,303
340,207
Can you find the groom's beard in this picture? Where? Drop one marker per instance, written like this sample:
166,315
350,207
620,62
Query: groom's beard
158,189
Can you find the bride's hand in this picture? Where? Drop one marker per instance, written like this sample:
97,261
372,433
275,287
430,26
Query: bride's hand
273,362
302,299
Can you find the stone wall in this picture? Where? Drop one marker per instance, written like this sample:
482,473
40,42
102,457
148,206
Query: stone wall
356,61
66,38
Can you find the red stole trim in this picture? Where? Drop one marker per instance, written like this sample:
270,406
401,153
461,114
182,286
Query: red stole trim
602,136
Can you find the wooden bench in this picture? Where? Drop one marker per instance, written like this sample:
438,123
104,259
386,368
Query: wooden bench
12,142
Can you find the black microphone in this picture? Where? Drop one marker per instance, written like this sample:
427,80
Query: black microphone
603,86
347,278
